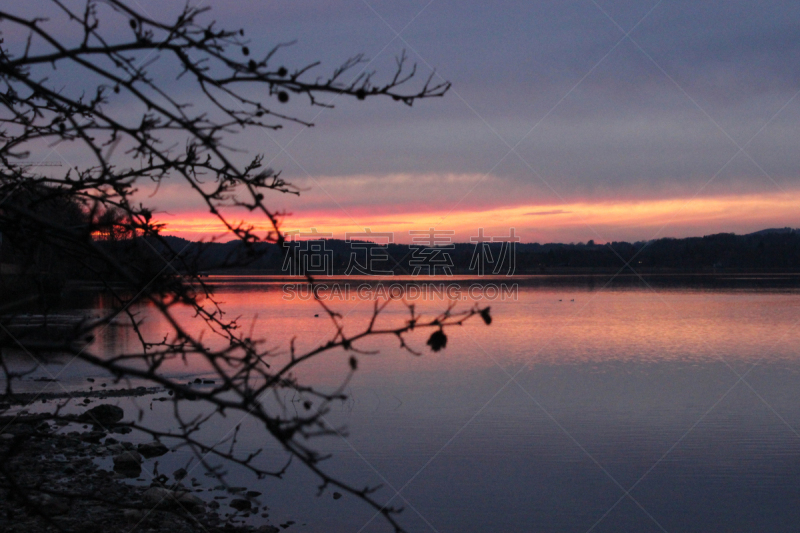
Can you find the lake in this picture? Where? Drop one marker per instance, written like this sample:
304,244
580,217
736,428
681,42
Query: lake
671,404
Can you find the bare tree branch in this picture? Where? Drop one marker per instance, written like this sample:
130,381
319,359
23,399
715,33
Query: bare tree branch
86,222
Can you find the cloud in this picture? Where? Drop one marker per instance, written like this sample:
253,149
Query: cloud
543,213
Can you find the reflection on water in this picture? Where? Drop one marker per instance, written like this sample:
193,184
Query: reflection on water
631,408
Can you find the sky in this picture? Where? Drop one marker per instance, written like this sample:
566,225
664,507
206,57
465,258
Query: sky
567,121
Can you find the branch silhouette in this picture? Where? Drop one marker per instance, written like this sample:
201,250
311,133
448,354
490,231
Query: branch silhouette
86,223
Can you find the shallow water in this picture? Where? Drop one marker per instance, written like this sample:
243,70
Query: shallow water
635,407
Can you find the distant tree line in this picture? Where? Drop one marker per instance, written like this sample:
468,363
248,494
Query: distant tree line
776,250
767,250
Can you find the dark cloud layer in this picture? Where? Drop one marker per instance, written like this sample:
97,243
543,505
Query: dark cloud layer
592,111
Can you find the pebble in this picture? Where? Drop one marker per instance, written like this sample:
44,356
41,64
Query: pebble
152,449
191,502
156,496
103,414
93,436
116,447
127,458
239,504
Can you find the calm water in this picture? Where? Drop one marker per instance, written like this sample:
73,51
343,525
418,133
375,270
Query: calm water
631,408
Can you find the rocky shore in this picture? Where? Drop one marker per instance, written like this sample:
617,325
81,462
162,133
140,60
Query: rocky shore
49,481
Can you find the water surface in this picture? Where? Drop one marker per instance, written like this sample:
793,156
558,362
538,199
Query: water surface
583,407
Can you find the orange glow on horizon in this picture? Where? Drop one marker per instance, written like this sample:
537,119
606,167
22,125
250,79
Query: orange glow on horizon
531,221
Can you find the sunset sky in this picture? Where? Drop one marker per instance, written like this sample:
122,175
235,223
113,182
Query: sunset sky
568,121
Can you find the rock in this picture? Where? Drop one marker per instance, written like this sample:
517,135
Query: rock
133,515
51,506
93,436
152,449
190,502
213,505
128,457
337,495
157,497
103,414
128,463
252,494
267,529
179,474
133,471
161,498
116,448
240,505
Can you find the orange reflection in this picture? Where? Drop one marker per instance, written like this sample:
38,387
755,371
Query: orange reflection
543,326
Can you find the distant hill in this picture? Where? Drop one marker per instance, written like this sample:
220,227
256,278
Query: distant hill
774,230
